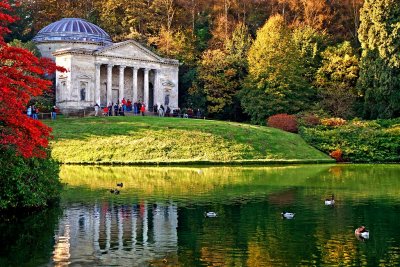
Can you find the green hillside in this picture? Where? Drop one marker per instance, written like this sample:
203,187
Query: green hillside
138,140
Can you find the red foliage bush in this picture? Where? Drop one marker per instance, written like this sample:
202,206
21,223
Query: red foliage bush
284,122
20,79
310,120
337,155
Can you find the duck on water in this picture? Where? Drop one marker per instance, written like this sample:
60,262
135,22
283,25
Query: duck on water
330,201
362,232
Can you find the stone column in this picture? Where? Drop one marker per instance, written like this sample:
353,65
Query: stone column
121,83
146,88
109,83
156,89
134,84
97,85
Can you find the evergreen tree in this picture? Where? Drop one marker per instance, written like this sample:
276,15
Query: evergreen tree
380,62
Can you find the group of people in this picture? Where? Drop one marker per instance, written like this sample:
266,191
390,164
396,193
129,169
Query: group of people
161,111
119,109
33,112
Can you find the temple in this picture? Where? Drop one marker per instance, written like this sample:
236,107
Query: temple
103,72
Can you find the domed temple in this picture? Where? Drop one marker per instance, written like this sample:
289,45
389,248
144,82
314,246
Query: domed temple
103,72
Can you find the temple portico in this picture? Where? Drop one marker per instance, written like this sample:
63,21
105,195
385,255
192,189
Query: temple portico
102,72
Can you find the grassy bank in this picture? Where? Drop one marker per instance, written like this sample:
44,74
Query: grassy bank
149,140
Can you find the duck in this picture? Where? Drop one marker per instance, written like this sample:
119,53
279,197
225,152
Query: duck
287,215
330,201
114,191
120,184
210,214
362,232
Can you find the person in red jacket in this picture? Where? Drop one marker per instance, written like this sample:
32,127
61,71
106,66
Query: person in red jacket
142,109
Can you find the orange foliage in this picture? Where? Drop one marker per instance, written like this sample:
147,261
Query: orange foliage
337,155
333,122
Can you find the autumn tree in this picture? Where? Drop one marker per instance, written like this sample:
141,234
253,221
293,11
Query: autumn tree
336,80
221,73
380,62
20,79
276,82
28,176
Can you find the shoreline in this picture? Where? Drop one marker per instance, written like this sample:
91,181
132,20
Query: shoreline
260,162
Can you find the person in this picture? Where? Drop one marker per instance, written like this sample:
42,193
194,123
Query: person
109,107
161,111
142,109
121,111
29,111
135,108
53,112
198,113
96,109
105,111
116,109
36,113
123,102
168,111
129,105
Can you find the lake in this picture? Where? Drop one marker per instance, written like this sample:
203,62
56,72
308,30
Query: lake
158,218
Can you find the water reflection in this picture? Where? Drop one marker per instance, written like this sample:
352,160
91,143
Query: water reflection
158,218
106,233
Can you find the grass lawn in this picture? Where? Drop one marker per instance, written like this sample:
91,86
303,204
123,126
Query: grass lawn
136,140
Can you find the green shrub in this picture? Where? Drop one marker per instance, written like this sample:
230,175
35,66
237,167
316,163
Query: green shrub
27,183
359,141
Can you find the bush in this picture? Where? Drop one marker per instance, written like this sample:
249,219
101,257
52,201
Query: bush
27,182
333,122
284,122
337,155
308,120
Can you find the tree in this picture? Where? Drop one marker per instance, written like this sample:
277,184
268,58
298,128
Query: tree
276,71
221,73
336,80
21,78
380,61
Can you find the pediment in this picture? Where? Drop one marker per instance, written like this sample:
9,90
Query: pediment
128,49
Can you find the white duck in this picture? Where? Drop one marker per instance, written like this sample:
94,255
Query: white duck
210,214
330,201
287,215
361,232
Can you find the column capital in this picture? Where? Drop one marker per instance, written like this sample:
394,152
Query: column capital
110,66
135,68
147,69
98,65
122,67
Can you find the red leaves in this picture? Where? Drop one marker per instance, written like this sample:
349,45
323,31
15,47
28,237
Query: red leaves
21,78
337,155
284,122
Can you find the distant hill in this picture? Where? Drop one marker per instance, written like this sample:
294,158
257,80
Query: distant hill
154,140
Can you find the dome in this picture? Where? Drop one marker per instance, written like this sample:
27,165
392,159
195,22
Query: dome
72,29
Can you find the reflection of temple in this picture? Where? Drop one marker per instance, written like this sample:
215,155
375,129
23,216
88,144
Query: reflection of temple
106,232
